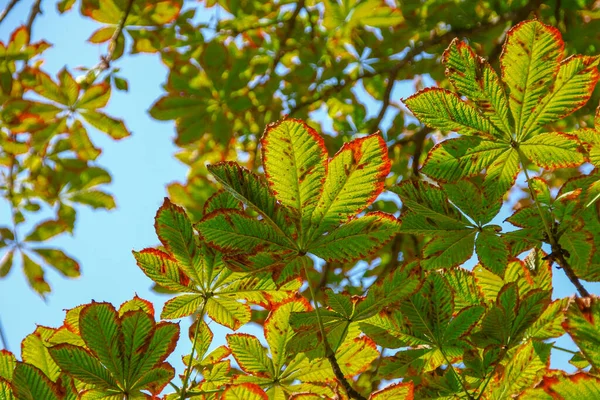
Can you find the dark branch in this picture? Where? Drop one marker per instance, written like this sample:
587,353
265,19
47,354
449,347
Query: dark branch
287,35
35,11
353,394
112,45
386,98
559,257
8,9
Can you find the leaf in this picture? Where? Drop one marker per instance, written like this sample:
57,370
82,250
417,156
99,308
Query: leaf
398,391
182,306
250,355
553,150
35,275
164,270
492,251
355,177
355,355
582,324
115,128
59,261
356,239
561,386
34,352
82,365
234,231
221,200
175,231
473,77
228,312
29,383
444,110
245,391
529,61
295,160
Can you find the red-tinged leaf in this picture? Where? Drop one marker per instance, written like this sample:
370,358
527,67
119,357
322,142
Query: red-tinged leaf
138,329
34,351
221,200
181,306
560,386
357,239
115,128
553,150
444,110
356,355
583,324
94,97
102,35
82,365
164,270
245,391
235,232
64,5
29,383
156,379
137,303
58,260
175,231
68,86
295,161
398,391
100,328
162,344
529,61
355,177
250,355
47,88
228,312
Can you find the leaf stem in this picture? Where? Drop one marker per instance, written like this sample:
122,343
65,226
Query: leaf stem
188,370
563,349
352,393
557,251
463,384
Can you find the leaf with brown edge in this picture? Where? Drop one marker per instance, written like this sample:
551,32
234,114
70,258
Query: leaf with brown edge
175,231
356,239
245,391
398,391
29,383
553,150
530,61
164,270
295,163
228,312
250,355
355,177
582,323
560,386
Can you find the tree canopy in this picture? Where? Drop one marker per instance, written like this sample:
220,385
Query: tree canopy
345,234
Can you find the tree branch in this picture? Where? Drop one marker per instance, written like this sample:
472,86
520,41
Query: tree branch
386,98
35,11
8,9
112,45
286,36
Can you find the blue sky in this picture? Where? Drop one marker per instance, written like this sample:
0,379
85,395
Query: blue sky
141,166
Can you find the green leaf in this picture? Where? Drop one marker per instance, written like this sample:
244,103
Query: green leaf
175,231
582,323
560,386
250,355
34,352
61,262
221,200
100,329
295,160
181,306
492,251
355,177
35,275
444,110
29,383
82,364
252,190
164,270
553,150
94,198
398,391
575,82
94,97
228,312
356,239
473,77
245,391
234,231
115,128
530,61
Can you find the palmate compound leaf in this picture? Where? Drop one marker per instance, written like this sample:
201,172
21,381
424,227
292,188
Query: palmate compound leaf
306,200
539,88
439,213
199,273
121,353
278,372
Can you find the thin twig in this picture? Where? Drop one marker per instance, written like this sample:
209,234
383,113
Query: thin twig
386,98
112,45
8,9
35,11
3,337
188,370
352,393
286,36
